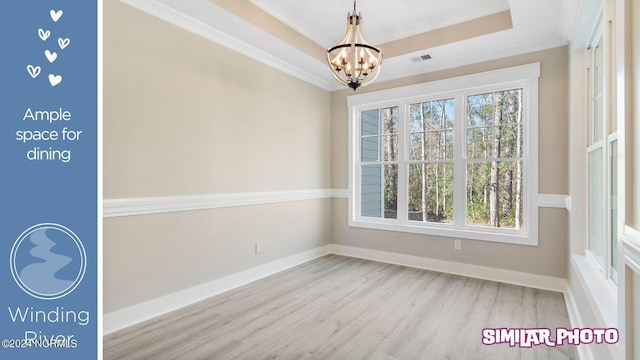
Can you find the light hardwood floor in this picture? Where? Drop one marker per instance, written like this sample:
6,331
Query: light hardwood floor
337,307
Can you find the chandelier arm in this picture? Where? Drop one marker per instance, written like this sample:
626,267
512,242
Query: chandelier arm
371,78
339,79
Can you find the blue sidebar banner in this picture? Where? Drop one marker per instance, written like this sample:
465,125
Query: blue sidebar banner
49,145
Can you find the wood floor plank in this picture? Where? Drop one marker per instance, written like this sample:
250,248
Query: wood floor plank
337,307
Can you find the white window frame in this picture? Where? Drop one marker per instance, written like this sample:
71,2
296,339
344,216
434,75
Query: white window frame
525,77
602,32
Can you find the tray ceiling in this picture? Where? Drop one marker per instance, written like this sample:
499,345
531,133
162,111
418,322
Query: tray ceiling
292,35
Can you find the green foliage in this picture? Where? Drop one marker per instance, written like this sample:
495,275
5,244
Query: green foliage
493,168
494,131
391,187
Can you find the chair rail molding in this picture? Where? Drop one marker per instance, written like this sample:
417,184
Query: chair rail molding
164,204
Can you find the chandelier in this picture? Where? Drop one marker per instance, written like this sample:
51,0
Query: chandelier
353,61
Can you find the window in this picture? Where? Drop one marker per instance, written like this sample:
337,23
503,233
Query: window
431,142
494,159
456,157
602,155
379,172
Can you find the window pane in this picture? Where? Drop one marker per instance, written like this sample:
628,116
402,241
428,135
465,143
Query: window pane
511,106
598,116
501,107
371,191
480,110
374,146
442,113
495,194
494,142
379,139
494,127
614,205
595,203
370,146
416,118
390,118
391,191
379,191
433,145
390,148
431,130
431,192
431,115
598,96
370,122
597,68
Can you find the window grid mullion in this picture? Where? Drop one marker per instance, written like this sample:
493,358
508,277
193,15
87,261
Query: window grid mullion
459,171
403,167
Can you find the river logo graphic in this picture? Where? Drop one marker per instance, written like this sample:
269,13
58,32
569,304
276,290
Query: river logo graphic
48,261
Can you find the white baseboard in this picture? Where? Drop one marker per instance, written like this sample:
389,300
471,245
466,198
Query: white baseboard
121,319
136,314
474,271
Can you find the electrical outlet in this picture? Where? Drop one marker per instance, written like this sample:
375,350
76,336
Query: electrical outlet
457,245
258,247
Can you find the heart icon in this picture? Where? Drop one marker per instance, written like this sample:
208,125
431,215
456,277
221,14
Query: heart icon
63,43
44,35
51,56
34,71
55,79
55,15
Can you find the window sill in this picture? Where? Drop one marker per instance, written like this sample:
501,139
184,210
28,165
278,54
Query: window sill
503,236
603,292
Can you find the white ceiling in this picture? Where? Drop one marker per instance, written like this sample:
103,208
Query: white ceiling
537,25
325,21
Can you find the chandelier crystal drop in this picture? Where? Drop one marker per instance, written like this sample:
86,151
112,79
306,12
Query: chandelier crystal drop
353,61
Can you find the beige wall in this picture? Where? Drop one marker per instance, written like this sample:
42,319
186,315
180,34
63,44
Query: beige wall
148,256
550,257
185,116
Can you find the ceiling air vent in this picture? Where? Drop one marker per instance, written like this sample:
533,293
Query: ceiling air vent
421,58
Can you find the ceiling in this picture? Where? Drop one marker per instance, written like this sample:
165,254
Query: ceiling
292,35
325,21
